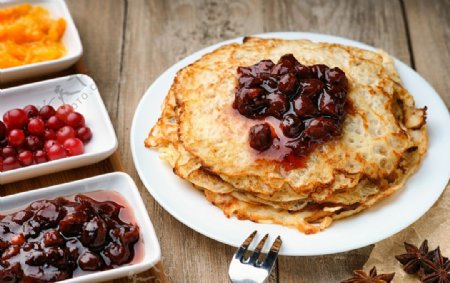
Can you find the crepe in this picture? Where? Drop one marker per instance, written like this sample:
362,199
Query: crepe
203,138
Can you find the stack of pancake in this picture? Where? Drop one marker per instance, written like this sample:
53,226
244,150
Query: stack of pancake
206,141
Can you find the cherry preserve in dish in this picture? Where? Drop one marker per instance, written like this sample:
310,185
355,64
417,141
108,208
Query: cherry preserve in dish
62,238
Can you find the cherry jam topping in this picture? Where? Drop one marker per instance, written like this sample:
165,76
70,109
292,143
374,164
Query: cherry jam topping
53,240
299,107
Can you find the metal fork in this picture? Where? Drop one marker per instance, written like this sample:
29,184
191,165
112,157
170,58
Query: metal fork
253,269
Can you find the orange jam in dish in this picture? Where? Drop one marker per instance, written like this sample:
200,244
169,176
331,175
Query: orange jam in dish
29,35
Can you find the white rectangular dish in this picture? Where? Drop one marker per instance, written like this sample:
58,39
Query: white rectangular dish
117,182
81,92
70,39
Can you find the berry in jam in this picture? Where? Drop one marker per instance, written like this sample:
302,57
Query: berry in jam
299,106
53,240
261,137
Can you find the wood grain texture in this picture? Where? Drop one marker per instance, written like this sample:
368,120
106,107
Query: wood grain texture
129,43
429,29
378,23
159,33
100,25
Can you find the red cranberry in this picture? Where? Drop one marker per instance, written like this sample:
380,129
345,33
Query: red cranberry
8,151
261,137
3,142
33,143
49,134
74,146
31,111
319,71
54,123
40,156
46,112
65,133
56,152
49,143
16,138
10,163
63,111
75,120
304,106
89,261
26,158
15,119
310,87
321,127
287,83
2,130
84,134
292,126
278,104
36,126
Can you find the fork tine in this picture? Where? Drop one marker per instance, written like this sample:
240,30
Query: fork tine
273,254
258,249
240,252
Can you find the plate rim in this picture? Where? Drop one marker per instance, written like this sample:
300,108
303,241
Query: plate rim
285,35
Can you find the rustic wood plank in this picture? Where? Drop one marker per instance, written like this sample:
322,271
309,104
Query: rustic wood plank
378,23
159,33
429,28
100,24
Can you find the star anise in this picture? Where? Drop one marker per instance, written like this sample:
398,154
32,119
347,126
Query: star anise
436,270
359,276
414,257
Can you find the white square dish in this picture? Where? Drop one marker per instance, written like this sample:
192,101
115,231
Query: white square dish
117,182
81,92
70,39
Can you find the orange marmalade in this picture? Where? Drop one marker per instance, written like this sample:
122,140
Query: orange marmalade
28,35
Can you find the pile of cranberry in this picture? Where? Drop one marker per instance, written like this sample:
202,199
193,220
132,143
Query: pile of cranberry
306,102
31,136
53,240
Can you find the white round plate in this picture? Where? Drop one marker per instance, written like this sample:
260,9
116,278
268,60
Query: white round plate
390,216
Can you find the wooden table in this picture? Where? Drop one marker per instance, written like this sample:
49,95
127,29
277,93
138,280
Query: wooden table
128,44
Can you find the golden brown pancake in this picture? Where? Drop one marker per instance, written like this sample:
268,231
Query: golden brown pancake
206,142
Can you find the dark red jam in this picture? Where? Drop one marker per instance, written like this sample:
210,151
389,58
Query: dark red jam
299,107
53,240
